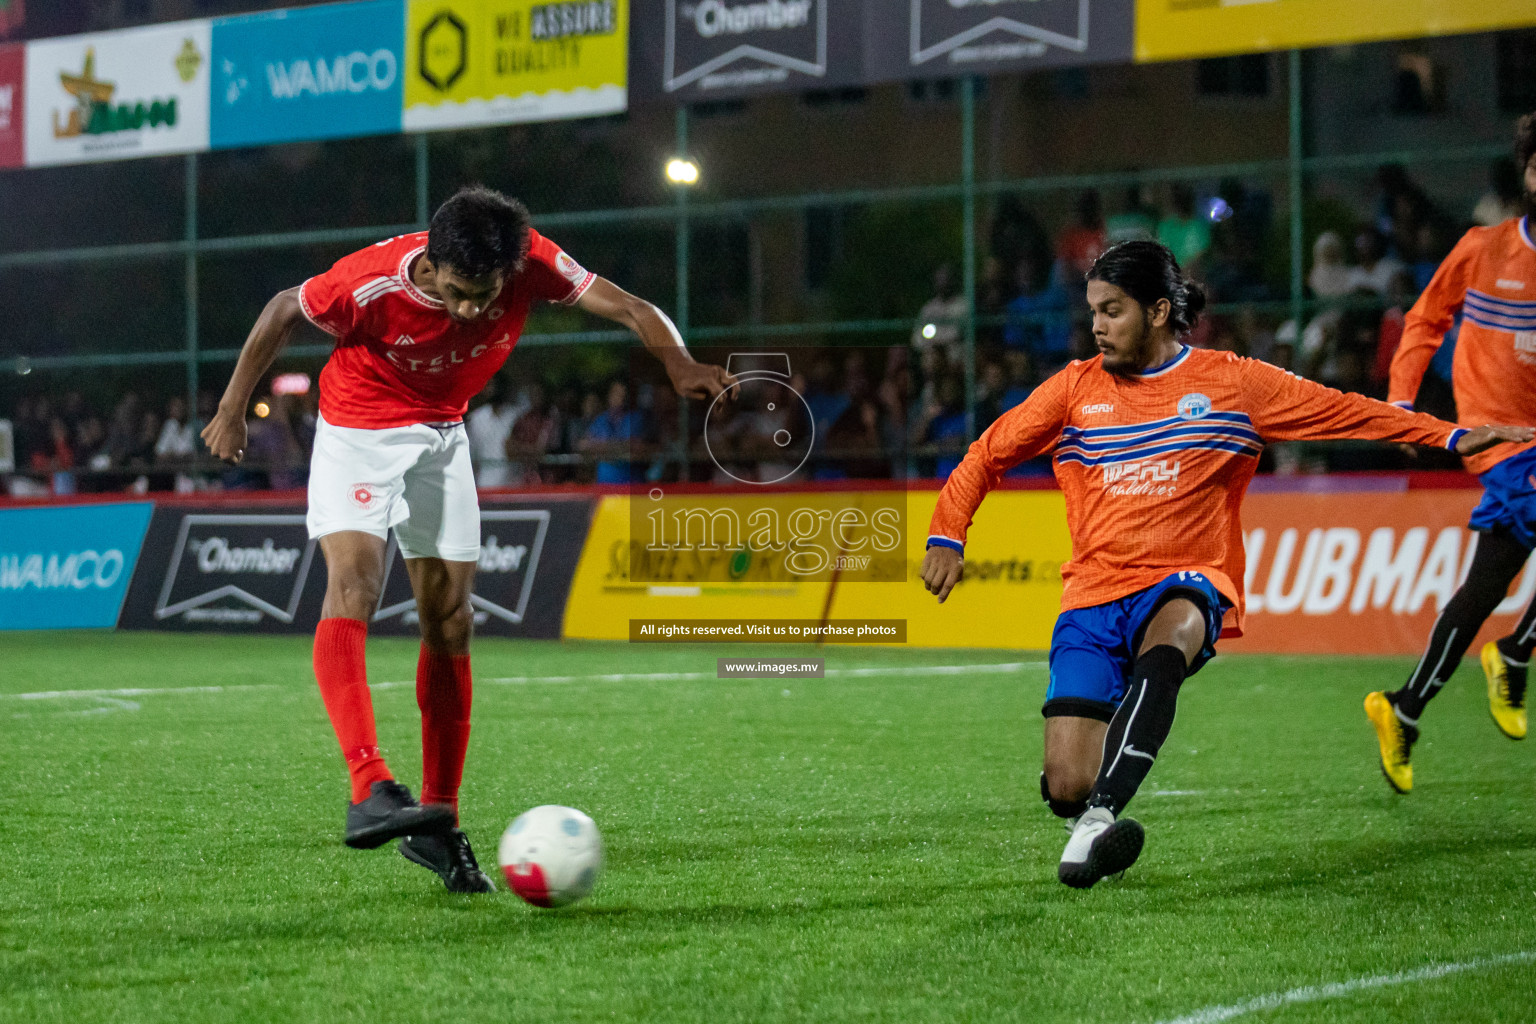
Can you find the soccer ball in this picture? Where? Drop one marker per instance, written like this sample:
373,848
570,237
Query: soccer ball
551,855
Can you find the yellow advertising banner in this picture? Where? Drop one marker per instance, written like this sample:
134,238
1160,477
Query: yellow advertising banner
1009,599
482,62
1180,29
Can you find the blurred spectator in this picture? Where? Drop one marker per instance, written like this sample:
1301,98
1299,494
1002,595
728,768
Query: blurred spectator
1427,255
1376,268
176,443
56,454
1330,277
941,320
123,429
1020,377
1243,219
612,435
530,439
894,393
1502,200
1016,233
1187,235
825,398
1038,320
91,444
1136,222
1390,334
941,425
855,442
1080,243
579,420
489,425
991,386
272,446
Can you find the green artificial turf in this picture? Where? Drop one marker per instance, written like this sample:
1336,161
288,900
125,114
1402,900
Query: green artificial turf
856,848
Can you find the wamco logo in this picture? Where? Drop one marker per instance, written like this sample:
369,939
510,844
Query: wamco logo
355,73
78,570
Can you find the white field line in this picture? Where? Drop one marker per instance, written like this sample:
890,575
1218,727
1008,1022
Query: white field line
672,677
1337,989
131,692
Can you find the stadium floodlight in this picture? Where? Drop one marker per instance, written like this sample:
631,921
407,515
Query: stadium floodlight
682,171
930,331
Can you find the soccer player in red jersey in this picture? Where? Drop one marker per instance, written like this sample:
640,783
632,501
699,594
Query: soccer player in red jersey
1490,279
1154,446
421,323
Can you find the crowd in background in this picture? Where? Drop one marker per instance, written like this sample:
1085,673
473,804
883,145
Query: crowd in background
875,412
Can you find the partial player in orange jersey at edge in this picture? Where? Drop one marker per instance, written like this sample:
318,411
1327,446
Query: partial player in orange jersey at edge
421,323
1490,280
1154,444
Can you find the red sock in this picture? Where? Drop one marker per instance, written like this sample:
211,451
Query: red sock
443,692
343,675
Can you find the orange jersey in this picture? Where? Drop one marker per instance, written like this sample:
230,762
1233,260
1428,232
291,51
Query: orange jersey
1490,277
1154,468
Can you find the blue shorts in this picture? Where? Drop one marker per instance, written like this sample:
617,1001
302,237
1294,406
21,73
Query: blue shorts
1092,649
1509,499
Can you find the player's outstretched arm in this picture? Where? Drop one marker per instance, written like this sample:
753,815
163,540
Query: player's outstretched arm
1285,407
689,378
225,433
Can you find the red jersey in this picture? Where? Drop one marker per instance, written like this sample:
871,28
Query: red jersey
399,357
1490,278
1154,468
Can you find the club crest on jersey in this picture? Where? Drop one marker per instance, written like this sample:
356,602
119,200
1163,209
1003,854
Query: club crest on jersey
363,495
1193,406
572,270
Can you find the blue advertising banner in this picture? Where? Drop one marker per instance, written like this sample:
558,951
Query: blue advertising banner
69,567
323,72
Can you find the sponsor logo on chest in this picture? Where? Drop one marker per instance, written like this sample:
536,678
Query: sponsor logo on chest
1156,477
444,361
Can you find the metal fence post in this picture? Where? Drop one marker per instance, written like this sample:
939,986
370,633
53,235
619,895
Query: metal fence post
190,234
1295,178
680,313
968,202
423,211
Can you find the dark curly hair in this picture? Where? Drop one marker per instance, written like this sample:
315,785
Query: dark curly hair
1147,271
478,231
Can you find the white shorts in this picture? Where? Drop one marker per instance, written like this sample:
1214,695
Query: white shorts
416,480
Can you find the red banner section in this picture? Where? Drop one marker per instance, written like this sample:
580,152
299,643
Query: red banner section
13,78
1359,573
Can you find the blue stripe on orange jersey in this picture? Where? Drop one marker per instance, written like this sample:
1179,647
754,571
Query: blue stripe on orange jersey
1235,447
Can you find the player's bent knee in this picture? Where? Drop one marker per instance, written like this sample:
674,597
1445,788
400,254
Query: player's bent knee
1066,782
449,631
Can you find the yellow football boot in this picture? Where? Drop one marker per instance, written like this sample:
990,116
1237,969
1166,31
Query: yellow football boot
1505,703
1396,739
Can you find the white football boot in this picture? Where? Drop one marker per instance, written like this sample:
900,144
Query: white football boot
1099,846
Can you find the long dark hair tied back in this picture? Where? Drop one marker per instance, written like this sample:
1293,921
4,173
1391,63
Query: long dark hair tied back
1147,271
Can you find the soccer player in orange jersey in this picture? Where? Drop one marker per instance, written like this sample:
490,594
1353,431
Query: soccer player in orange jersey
421,323
1154,445
1490,278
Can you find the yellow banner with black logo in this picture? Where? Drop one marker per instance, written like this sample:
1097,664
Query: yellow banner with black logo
483,62
1009,598
1180,29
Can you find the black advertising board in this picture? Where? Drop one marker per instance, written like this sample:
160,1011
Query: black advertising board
208,568
696,50
949,38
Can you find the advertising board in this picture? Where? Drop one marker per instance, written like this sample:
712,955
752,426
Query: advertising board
945,38
507,61
138,92
13,105
716,49
68,567
1180,29
319,72
210,568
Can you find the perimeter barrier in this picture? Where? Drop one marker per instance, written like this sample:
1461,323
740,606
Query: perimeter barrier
1343,564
